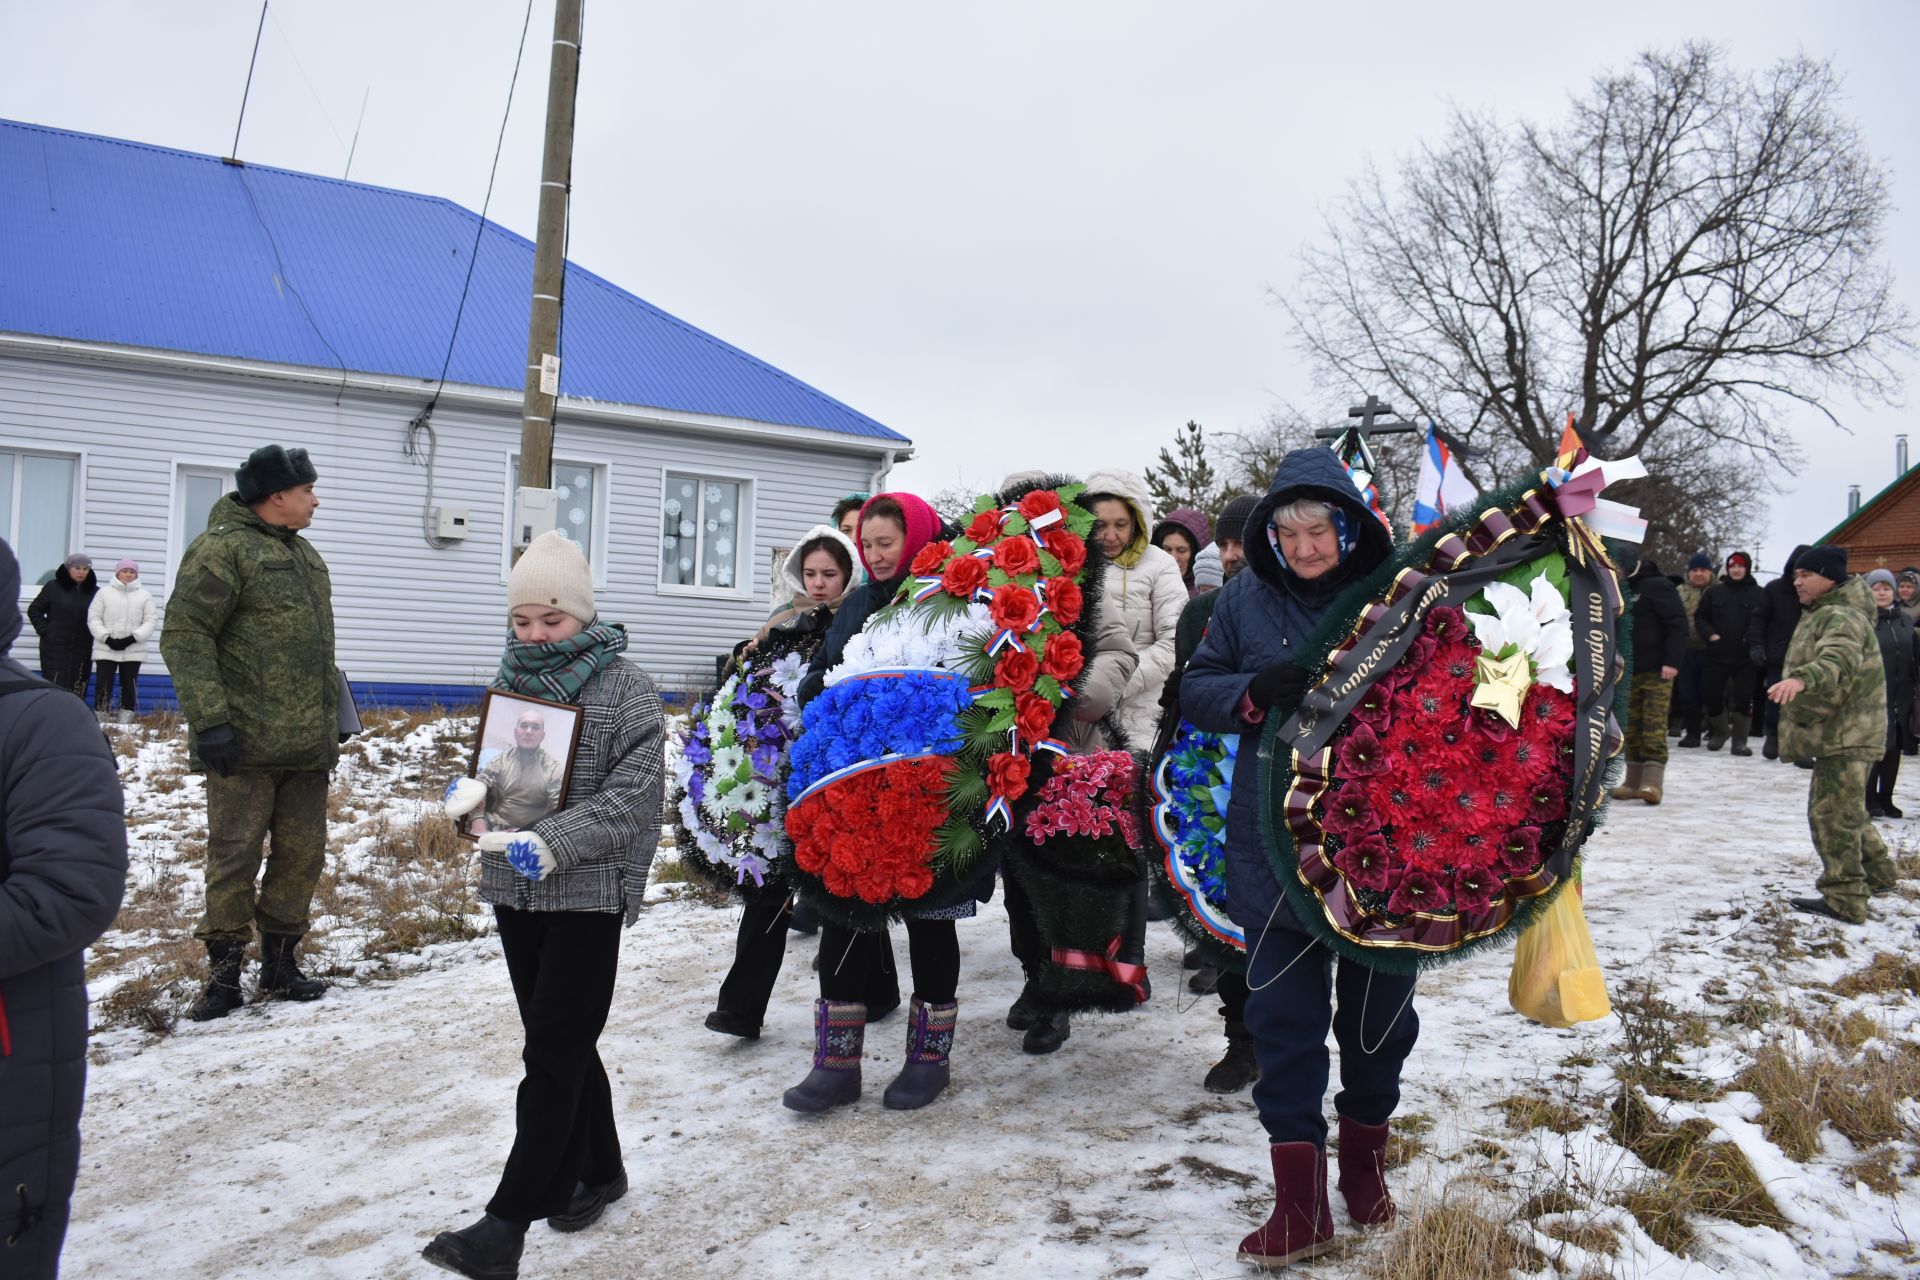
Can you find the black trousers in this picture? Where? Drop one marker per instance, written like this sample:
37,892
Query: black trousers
1727,686
1233,1001
759,949
1884,773
562,964
849,960
66,672
129,674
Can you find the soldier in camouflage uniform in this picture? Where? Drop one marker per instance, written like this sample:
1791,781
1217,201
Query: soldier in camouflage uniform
1690,687
1833,711
249,644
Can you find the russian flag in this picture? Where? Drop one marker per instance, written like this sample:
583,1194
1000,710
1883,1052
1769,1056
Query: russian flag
1442,487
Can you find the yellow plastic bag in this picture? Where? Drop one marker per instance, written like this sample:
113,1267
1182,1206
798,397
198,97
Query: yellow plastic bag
1556,974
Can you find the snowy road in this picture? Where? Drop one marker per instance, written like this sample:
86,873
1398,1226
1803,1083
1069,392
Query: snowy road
333,1139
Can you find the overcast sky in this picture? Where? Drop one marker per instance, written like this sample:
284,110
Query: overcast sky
1025,234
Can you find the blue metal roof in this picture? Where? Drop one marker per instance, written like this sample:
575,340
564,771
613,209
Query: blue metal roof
104,240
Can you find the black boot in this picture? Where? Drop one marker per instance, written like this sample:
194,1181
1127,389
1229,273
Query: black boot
1023,1012
1771,747
280,973
487,1250
1204,980
1237,1069
589,1203
224,961
1049,1032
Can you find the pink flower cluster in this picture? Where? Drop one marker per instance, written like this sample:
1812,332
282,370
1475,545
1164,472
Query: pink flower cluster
1087,796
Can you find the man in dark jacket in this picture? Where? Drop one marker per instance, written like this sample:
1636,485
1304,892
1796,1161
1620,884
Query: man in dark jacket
1768,635
63,866
59,618
1307,539
1726,611
1659,647
249,643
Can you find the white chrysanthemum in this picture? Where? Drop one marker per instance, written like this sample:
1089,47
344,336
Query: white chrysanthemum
1533,622
752,796
788,670
909,638
727,761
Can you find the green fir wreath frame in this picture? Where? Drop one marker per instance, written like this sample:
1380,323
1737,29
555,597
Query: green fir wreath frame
1523,508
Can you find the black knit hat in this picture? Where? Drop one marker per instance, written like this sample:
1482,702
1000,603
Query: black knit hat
1827,560
269,469
1232,520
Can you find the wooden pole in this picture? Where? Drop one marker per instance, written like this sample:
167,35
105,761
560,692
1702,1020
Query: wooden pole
549,253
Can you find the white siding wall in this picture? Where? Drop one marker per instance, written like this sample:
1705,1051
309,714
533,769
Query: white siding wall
407,613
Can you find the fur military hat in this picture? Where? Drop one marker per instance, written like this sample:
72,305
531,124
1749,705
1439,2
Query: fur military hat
269,469
553,574
1827,560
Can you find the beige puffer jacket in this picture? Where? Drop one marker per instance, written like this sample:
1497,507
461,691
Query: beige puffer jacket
1144,592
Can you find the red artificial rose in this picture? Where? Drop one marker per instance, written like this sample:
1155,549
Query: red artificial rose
1063,597
1007,774
964,577
931,557
1016,669
1064,658
1069,550
1038,503
1014,607
1033,715
1017,556
985,528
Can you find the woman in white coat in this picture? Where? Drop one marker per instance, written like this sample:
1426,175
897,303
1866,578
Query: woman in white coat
1143,584
122,619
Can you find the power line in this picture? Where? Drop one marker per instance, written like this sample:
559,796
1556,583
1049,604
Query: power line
234,155
301,67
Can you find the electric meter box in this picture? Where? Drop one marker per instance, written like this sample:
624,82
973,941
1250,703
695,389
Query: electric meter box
534,511
450,523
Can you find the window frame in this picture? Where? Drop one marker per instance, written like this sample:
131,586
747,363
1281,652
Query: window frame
76,504
177,543
601,517
744,529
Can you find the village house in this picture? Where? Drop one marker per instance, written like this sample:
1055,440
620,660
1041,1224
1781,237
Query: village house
162,313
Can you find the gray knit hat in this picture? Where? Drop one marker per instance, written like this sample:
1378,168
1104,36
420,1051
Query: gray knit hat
553,574
1879,576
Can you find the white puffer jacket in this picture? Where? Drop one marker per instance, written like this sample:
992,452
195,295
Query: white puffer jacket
1148,594
121,609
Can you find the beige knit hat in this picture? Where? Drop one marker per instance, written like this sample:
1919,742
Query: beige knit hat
553,574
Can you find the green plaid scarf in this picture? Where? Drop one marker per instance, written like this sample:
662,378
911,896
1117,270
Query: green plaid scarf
559,670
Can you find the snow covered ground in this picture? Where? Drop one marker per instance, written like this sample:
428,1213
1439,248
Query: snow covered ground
334,1139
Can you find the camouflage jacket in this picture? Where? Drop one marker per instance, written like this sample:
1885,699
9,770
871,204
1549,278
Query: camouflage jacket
249,641
1842,712
1690,596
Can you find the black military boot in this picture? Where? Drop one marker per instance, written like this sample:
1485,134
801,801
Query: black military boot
225,959
280,974
1237,1069
1049,1031
487,1250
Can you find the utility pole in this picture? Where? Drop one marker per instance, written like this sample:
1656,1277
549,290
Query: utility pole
534,513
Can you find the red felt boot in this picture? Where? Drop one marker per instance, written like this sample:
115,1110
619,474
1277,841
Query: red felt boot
1301,1225
1363,1172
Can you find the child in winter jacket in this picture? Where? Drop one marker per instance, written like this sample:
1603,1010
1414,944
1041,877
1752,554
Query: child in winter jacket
560,891
122,619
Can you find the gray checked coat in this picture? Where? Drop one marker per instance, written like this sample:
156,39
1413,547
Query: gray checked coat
604,838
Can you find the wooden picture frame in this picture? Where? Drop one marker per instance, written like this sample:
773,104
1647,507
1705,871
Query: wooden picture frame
538,786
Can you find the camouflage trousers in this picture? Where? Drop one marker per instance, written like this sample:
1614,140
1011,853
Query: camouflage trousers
1648,699
1853,858
242,812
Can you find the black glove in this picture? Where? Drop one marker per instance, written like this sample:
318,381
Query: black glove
1281,682
119,642
1170,694
1757,655
217,750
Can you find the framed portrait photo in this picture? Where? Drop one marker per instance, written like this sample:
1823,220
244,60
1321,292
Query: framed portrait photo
524,753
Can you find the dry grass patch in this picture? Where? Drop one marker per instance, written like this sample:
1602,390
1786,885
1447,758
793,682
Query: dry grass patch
1703,1175
1652,1034
1602,1238
1884,974
1407,1138
1454,1241
1861,1098
419,885
1880,1169
1537,1110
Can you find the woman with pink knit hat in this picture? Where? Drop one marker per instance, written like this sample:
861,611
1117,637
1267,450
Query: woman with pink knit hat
122,619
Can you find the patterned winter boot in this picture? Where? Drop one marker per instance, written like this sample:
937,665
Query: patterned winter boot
1629,788
839,1034
1363,1172
1301,1225
929,1042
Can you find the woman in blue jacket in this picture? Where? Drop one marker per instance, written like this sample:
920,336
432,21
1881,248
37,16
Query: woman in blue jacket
1308,539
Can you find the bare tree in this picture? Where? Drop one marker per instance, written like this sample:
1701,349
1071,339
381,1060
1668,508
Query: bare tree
1688,253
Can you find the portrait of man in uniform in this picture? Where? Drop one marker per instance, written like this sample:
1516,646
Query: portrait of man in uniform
524,756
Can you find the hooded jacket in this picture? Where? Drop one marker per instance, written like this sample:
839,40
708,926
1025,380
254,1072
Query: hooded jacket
1726,610
122,610
864,601
1263,615
1199,531
798,610
1774,617
1659,620
1842,711
63,866
59,618
1143,588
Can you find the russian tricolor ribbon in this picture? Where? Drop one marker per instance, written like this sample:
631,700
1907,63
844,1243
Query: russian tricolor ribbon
999,808
1056,746
1005,637
929,587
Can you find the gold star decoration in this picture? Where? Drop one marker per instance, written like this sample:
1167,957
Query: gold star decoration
1500,684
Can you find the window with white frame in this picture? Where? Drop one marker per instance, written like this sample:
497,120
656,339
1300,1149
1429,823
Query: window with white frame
196,488
705,526
579,490
36,510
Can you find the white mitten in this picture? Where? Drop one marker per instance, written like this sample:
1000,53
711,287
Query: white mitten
526,852
463,796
